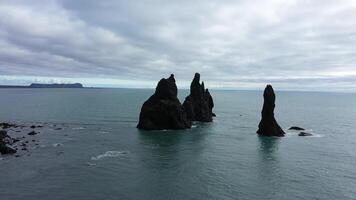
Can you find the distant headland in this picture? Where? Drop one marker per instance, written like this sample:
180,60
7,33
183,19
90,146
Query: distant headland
40,85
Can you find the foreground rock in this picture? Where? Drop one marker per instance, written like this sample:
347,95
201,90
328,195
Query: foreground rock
199,104
32,133
163,109
4,139
296,128
5,125
268,125
304,134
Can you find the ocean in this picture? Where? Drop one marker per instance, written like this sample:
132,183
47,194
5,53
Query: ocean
89,148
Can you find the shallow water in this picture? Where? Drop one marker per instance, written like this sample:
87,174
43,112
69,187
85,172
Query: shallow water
99,154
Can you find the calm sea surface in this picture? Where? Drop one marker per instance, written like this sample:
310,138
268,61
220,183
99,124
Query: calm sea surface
99,154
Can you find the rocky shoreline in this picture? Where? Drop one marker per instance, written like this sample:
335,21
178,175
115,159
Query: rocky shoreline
17,138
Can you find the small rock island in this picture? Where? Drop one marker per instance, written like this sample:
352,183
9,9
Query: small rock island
268,125
56,85
163,109
42,85
199,104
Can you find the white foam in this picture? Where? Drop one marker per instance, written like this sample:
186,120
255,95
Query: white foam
110,154
57,144
104,132
296,133
78,128
90,164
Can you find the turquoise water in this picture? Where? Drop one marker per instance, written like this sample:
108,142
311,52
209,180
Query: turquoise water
99,154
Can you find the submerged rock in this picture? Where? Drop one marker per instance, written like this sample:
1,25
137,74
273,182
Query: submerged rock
199,104
268,125
163,110
296,128
304,134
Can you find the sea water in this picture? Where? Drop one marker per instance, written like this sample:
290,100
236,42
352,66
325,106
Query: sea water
97,153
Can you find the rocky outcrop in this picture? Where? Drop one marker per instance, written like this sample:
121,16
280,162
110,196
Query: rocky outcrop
32,133
296,128
199,104
268,125
4,140
163,109
304,134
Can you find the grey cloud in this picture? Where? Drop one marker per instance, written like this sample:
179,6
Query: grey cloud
234,44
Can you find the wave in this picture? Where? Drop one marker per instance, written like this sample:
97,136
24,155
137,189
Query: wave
109,154
296,132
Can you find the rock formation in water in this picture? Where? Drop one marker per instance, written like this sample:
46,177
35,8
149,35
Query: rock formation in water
296,128
163,109
268,125
304,134
199,104
4,140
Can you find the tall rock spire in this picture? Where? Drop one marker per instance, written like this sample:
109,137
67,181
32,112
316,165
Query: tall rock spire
268,125
199,103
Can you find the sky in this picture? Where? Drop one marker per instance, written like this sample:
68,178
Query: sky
234,44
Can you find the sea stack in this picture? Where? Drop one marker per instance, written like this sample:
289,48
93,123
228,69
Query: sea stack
163,109
268,125
199,104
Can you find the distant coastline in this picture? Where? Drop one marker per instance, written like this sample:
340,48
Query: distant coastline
40,85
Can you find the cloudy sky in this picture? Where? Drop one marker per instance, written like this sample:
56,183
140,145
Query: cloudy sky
234,44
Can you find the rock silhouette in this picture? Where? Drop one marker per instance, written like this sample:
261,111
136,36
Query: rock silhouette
268,125
163,109
199,104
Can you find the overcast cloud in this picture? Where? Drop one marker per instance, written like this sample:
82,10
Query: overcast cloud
241,44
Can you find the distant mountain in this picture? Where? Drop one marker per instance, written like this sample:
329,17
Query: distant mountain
40,85
56,85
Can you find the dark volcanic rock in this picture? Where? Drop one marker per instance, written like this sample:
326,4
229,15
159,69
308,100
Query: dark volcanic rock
304,134
296,128
163,109
4,149
5,125
32,133
3,134
268,125
199,104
